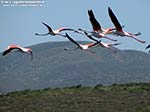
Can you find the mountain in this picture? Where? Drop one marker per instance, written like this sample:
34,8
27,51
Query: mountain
53,67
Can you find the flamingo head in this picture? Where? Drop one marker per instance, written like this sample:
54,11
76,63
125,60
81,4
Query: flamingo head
36,34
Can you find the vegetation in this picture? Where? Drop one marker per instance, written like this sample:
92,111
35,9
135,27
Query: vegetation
132,97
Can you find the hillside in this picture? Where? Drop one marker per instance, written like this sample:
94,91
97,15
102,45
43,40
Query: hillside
55,67
133,97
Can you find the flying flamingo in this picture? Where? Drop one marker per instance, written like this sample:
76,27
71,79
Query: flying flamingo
54,32
21,49
119,31
110,45
96,25
102,44
95,34
98,31
83,46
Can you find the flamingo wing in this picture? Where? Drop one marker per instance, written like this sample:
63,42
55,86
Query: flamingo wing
72,40
90,37
7,51
10,48
92,44
65,29
148,46
114,20
48,27
95,24
97,41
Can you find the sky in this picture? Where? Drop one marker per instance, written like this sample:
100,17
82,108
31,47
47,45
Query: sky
18,24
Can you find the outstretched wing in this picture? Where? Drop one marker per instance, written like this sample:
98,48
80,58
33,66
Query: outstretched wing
72,40
48,27
9,49
92,44
95,24
96,41
65,29
114,20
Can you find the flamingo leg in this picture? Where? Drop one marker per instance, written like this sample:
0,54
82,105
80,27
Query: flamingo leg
141,41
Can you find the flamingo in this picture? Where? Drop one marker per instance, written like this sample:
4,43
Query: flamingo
54,32
19,48
95,34
119,31
96,25
102,44
110,45
83,46
98,31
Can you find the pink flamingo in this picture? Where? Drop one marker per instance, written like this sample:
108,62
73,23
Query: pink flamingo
119,31
96,25
83,46
21,49
54,32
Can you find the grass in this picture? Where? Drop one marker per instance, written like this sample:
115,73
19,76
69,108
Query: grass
132,97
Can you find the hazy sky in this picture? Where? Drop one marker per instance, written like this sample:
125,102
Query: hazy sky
18,24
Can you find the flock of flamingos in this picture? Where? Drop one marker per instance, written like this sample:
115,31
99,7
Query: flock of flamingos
97,33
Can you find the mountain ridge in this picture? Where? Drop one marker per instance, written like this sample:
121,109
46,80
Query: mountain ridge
53,67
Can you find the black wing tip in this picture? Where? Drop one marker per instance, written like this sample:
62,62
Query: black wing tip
4,53
43,23
49,27
109,11
90,12
148,46
67,35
